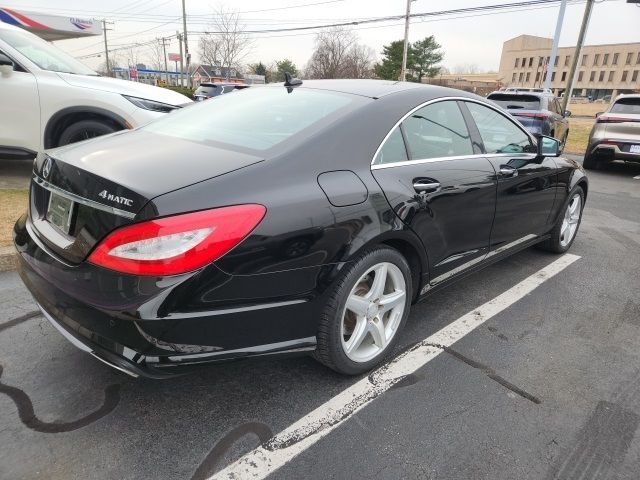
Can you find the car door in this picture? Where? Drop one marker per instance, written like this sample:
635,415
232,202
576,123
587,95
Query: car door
526,186
559,123
20,106
440,185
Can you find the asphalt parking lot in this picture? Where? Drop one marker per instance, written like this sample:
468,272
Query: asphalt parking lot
548,387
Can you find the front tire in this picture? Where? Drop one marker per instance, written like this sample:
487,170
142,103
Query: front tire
84,130
566,228
364,311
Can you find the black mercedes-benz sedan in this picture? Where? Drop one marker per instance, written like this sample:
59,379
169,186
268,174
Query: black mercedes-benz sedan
298,218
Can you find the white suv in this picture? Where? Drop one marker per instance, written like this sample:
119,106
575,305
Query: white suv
48,99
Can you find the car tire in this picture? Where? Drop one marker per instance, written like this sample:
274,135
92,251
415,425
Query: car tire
352,343
84,130
561,239
591,162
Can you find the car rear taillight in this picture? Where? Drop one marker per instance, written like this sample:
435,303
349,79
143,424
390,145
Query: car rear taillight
177,244
613,119
541,116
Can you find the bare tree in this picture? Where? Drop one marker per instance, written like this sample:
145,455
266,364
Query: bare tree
338,54
466,68
331,53
231,44
359,63
156,55
209,49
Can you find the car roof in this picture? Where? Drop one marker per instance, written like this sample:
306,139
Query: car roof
626,95
222,84
379,88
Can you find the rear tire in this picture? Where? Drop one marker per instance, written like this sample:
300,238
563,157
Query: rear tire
566,228
83,130
377,287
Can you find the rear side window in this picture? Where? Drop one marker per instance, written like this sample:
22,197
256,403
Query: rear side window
499,134
627,105
255,118
437,130
510,101
393,149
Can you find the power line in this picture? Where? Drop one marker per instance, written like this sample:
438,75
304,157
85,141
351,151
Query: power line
468,12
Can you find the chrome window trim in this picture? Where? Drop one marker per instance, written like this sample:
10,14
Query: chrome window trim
78,199
376,166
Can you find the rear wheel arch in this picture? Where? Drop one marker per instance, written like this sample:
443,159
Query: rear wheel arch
68,116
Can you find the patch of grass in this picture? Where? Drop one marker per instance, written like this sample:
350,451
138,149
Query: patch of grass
587,109
579,130
13,203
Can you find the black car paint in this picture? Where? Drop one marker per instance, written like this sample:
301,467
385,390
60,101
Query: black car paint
264,296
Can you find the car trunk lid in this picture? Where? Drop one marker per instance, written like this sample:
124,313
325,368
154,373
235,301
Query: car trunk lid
82,192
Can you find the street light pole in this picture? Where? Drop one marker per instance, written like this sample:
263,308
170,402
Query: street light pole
403,70
179,36
578,51
554,48
186,43
106,47
164,52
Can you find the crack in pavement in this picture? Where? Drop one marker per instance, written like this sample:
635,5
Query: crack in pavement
18,320
211,461
489,372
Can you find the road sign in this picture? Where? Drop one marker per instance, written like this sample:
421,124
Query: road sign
174,57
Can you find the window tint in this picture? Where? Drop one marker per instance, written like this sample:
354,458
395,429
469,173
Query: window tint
498,133
437,130
393,149
626,105
255,118
516,101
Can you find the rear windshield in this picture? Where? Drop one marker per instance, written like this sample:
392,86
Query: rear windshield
626,105
255,118
524,102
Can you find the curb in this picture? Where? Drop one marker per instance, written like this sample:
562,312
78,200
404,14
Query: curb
7,259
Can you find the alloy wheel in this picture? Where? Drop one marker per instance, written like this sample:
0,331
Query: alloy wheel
373,312
571,220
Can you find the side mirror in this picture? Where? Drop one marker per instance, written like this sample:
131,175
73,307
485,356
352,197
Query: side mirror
548,146
598,114
6,65
567,113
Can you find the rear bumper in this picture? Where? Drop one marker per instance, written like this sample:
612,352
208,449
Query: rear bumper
160,326
618,150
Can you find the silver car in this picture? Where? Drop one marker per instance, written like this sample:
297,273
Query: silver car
616,133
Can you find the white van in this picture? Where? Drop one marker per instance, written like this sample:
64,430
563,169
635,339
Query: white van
49,99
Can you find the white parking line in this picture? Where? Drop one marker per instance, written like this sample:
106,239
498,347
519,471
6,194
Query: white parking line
304,433
637,177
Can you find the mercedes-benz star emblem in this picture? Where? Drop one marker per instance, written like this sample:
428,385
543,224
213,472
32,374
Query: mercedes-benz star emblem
46,168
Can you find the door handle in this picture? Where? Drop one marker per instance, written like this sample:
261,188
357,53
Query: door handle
508,171
426,187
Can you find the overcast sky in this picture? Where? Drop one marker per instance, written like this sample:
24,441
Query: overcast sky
473,40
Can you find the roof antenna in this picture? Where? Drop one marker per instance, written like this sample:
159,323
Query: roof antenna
289,81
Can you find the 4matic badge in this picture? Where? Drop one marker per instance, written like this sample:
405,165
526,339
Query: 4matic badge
114,198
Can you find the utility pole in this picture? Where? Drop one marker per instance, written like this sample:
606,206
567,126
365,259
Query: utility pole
106,46
179,36
164,51
186,43
554,49
574,65
403,70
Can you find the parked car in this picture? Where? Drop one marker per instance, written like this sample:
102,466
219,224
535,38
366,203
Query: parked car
48,98
209,90
309,221
539,112
616,133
